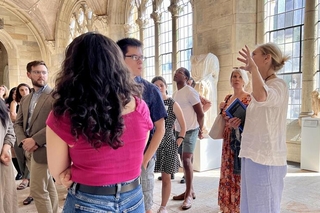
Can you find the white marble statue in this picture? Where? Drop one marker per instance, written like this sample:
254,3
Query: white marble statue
315,103
205,72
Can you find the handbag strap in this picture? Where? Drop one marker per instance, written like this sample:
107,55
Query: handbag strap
227,99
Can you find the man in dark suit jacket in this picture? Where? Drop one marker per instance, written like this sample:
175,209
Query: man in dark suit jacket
30,129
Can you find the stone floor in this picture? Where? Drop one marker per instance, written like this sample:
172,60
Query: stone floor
301,193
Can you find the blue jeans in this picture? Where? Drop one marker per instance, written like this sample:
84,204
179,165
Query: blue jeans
80,202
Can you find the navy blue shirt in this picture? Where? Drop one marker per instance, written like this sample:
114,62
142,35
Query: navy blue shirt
152,96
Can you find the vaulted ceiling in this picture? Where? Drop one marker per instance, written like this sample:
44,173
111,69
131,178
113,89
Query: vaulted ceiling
45,14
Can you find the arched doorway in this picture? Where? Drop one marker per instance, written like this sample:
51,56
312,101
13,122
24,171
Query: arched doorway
4,69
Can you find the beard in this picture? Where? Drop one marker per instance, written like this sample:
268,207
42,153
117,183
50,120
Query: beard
38,83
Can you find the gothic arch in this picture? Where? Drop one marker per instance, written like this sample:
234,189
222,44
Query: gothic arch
25,18
13,57
64,16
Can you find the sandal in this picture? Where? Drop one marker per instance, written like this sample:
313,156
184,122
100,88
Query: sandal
28,200
23,185
181,196
186,203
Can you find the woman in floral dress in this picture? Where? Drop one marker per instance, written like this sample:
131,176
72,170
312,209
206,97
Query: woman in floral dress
229,184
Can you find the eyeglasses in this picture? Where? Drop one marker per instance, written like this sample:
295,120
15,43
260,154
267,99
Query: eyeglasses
136,57
36,72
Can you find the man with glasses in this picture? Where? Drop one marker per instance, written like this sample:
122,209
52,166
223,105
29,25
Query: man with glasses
30,129
132,52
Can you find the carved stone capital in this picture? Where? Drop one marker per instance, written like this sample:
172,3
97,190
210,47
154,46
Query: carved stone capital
174,9
129,28
51,45
156,16
102,18
142,22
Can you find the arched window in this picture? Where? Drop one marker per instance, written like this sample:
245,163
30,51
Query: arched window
318,47
284,26
79,22
158,32
165,44
185,35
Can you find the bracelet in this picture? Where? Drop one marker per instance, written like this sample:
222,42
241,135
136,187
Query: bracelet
180,137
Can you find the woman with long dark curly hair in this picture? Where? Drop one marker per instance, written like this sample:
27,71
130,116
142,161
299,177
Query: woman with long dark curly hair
99,127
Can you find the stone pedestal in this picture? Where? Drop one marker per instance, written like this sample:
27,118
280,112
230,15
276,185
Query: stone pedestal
207,154
294,151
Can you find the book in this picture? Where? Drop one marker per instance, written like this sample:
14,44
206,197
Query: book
237,109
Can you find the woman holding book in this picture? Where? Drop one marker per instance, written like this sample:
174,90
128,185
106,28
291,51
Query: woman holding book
229,184
263,148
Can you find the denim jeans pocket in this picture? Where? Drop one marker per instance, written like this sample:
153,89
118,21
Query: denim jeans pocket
80,202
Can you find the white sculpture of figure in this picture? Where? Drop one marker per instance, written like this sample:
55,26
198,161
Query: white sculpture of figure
315,103
205,72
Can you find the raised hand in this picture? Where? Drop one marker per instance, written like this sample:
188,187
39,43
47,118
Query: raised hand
246,59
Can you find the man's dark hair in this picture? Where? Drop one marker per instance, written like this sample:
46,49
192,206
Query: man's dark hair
128,42
186,73
35,63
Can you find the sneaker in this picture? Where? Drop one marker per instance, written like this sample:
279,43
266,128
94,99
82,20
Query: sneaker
183,180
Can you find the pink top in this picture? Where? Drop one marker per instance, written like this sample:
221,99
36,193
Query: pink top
105,166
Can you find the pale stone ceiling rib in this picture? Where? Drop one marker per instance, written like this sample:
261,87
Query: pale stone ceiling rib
43,13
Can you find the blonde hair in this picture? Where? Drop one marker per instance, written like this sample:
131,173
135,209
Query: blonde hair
242,73
278,59
6,91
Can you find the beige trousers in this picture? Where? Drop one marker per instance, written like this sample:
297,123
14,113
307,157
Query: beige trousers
42,186
8,192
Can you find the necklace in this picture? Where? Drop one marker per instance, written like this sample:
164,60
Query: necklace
268,77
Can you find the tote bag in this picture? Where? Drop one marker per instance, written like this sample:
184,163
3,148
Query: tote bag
217,128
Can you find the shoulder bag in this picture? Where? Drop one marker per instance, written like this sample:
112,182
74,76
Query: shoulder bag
217,128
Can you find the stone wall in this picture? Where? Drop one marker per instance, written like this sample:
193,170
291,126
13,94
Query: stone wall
223,28
21,46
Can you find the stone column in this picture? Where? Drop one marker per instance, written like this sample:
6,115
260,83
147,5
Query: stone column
129,26
260,22
142,20
156,16
88,14
174,10
308,65
142,23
